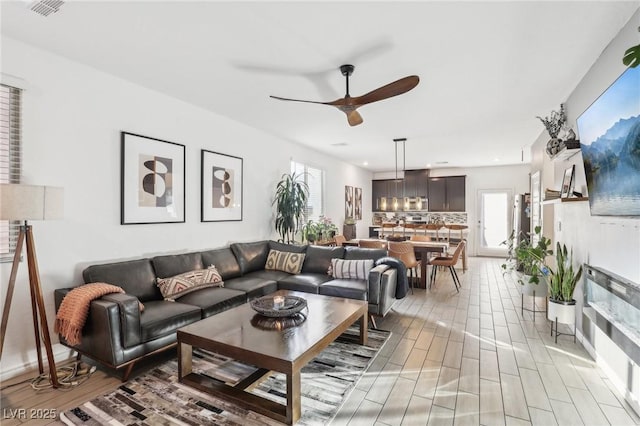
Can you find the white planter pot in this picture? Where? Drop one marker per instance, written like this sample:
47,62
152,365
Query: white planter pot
528,288
564,312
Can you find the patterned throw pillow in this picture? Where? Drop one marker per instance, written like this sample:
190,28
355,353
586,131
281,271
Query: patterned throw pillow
179,285
351,269
284,261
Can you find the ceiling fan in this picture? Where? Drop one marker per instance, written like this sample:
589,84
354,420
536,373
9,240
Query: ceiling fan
349,104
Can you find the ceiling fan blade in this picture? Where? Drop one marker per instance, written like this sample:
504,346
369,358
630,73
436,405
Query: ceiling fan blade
354,118
300,100
390,90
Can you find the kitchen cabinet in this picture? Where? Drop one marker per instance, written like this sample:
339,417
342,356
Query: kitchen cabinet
447,194
416,183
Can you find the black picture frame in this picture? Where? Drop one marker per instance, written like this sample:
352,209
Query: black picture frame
221,187
152,180
568,182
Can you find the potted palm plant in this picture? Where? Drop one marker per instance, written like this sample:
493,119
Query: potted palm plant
290,201
562,283
528,260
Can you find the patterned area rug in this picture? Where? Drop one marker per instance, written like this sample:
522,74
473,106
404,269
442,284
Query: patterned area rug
156,398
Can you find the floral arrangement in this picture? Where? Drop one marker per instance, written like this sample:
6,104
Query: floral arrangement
554,122
320,230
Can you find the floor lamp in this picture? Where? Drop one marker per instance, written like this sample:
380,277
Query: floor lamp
23,203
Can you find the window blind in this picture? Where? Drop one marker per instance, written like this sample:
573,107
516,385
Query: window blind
314,178
10,160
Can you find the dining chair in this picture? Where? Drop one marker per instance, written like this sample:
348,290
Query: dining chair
377,244
449,262
339,240
434,227
456,234
403,251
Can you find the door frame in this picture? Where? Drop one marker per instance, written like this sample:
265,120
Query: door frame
493,252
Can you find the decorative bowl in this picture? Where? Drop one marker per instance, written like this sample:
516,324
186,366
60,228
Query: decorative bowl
267,307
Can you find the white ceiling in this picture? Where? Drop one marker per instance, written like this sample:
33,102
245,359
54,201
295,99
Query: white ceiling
486,68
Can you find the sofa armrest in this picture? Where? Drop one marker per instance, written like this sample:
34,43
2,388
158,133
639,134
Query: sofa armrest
111,318
129,315
382,289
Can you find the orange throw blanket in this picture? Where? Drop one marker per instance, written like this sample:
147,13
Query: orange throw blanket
74,309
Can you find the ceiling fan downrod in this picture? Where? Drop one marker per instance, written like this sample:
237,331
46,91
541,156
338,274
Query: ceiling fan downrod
347,70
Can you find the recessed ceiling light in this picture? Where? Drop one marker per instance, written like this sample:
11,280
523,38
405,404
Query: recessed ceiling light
496,159
365,163
428,165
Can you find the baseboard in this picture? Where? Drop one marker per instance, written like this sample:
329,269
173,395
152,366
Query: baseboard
60,353
611,375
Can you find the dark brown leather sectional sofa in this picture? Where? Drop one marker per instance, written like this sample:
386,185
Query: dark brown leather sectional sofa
117,334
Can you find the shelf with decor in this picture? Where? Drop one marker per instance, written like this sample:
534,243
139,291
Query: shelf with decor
565,154
565,200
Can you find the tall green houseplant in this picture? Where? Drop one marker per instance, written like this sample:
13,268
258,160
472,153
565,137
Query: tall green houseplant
564,280
290,201
527,258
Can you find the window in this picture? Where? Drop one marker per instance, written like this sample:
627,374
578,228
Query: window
314,178
9,160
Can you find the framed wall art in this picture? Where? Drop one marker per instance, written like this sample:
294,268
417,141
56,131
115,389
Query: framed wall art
568,182
152,180
348,202
357,209
221,198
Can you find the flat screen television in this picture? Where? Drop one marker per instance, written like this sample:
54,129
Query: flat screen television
609,133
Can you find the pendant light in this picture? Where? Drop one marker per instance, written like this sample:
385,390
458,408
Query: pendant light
405,200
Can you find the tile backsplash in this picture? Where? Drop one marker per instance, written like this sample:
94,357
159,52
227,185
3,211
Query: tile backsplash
454,217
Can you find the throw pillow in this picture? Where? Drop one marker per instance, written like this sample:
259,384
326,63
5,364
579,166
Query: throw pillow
179,285
351,269
284,261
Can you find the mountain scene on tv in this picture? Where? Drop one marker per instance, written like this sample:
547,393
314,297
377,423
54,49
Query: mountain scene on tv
610,144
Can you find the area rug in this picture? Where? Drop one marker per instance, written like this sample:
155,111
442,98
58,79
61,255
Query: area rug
156,398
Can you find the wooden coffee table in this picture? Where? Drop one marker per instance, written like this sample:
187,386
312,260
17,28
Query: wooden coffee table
231,333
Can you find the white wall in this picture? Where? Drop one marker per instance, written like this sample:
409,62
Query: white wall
612,243
72,118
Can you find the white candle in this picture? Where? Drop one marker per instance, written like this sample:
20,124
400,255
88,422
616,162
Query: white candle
278,302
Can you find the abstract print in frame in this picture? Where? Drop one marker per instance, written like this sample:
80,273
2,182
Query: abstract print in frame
221,198
152,180
348,202
358,203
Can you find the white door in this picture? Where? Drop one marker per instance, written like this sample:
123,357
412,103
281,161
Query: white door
494,221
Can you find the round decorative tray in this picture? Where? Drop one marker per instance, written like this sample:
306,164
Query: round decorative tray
278,324
268,307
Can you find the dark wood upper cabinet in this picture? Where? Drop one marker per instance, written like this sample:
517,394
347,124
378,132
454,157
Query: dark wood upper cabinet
447,194
416,183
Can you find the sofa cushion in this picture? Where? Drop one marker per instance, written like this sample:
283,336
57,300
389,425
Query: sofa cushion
268,275
318,258
292,248
351,253
351,269
188,282
251,256
224,261
307,283
347,288
253,286
215,300
161,318
284,261
136,277
175,264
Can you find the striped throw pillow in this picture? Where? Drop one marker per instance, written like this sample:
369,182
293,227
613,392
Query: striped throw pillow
351,269
285,261
179,285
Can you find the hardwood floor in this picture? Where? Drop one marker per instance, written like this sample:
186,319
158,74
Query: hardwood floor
467,358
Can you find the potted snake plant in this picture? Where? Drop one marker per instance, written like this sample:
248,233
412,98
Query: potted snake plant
562,283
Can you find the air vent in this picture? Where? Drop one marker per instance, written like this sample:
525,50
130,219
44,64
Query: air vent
442,162
339,144
46,7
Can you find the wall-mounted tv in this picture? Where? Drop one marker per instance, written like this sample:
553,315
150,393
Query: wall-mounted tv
609,133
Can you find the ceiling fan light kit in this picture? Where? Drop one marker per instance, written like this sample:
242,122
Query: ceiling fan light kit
349,104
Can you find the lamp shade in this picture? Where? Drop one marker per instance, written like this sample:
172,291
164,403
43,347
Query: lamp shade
30,202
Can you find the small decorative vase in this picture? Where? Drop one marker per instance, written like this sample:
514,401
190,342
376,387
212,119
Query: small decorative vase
564,312
554,146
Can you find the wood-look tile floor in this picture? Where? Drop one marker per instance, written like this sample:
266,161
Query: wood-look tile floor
468,358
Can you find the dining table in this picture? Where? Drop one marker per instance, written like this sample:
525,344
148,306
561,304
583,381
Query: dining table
423,250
